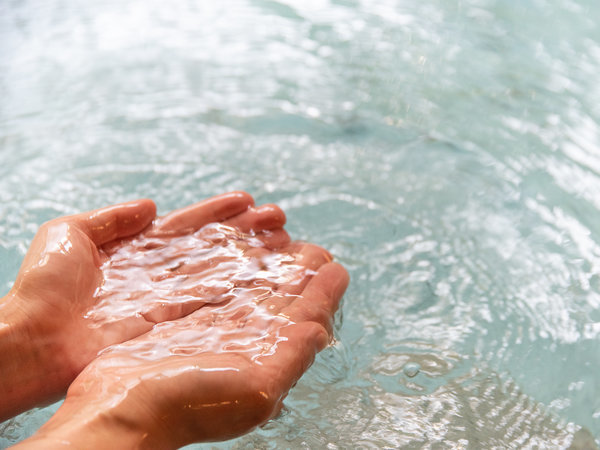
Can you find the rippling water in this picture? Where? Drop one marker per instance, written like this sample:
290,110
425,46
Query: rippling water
447,152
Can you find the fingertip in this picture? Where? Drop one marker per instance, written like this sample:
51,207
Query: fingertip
214,209
132,216
274,239
262,218
321,296
335,277
242,196
274,214
146,211
341,271
225,206
313,256
231,204
149,205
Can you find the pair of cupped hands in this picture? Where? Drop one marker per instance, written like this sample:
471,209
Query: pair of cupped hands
165,331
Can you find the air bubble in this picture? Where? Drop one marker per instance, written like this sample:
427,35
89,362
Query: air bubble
411,369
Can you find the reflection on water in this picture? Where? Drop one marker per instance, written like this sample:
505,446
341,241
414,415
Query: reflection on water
446,152
474,410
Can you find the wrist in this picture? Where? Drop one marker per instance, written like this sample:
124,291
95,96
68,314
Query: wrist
30,373
82,424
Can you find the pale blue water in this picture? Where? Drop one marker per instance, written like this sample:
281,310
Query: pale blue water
447,152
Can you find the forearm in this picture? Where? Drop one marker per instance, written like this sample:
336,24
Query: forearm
87,426
30,369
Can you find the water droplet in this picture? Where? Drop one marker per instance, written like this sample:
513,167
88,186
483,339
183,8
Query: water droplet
411,369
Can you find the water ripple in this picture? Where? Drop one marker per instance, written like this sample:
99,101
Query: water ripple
446,152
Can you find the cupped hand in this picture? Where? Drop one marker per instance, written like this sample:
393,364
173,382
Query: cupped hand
221,370
65,275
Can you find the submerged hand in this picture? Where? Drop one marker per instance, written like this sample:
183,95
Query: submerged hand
216,373
60,283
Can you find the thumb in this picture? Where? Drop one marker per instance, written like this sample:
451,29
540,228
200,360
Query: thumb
117,221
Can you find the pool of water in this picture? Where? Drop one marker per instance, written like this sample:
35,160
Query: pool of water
446,152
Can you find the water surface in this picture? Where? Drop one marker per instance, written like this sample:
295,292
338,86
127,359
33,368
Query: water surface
446,152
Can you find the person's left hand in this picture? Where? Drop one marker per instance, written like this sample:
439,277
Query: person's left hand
61,282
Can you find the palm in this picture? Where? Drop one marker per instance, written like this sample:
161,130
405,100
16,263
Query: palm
68,267
235,358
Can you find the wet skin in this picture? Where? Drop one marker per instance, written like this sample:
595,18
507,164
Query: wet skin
226,318
43,328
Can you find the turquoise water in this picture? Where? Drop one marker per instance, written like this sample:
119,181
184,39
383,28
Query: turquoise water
447,152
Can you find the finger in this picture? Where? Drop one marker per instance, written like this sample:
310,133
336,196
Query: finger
294,354
265,217
118,221
194,217
270,268
163,312
308,256
255,272
319,300
274,239
295,275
